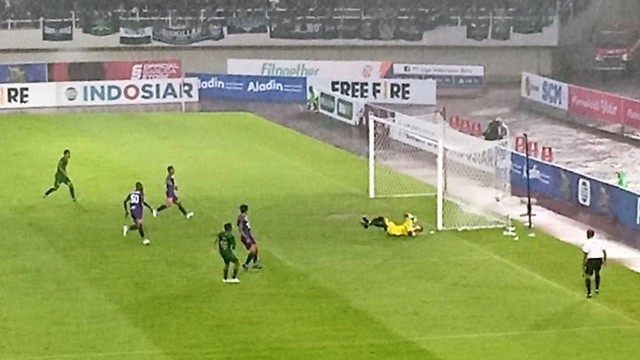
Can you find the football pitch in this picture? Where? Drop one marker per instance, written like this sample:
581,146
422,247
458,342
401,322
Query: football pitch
72,287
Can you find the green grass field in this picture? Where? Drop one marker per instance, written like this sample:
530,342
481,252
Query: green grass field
72,287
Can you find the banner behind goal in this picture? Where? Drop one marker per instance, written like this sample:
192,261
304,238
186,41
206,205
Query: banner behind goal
411,156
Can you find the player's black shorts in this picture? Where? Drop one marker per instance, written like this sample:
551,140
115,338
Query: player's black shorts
228,257
593,266
61,179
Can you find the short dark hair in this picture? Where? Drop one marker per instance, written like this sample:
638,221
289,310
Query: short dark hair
66,151
590,234
228,227
170,167
244,208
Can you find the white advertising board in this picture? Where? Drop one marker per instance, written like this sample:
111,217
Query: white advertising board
309,68
27,95
381,91
545,91
437,70
127,92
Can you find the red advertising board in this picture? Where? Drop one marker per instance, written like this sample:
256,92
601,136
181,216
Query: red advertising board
631,113
596,104
148,69
115,70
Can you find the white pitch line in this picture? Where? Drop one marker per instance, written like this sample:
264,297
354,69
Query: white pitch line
86,355
552,283
524,332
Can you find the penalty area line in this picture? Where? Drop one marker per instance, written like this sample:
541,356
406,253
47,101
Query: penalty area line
524,332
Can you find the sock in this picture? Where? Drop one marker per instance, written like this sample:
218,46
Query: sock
249,257
50,191
597,281
225,272
182,210
255,257
235,271
133,227
141,232
72,191
162,207
587,282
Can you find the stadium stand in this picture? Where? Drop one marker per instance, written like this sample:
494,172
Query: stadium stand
301,19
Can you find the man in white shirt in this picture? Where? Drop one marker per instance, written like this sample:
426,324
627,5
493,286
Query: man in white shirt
594,257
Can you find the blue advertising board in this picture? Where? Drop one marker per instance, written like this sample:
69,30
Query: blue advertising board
545,178
580,197
251,87
23,73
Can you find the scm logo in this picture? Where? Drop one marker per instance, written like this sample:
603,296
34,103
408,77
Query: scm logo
552,93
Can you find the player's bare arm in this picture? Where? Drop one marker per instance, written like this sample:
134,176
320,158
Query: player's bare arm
124,203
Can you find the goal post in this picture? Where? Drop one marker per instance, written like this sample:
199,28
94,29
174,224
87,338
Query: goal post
468,176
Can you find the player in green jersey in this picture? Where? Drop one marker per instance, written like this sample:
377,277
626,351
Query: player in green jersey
61,176
226,244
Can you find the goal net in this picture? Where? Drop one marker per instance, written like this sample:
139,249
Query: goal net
423,156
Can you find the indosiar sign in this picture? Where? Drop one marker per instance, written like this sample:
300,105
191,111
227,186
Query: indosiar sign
127,92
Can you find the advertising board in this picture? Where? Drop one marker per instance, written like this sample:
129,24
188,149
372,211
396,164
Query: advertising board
248,87
545,91
310,68
451,76
29,95
596,104
380,91
444,75
127,92
339,107
145,69
23,73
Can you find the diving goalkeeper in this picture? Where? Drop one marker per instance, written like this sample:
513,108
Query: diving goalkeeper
409,227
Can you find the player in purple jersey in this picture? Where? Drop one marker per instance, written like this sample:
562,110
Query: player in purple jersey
133,204
172,195
247,238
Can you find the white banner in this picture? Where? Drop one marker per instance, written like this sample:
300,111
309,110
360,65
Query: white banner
340,107
545,91
438,70
127,92
309,68
28,95
381,91
486,156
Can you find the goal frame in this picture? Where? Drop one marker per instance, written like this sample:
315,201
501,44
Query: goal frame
497,216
